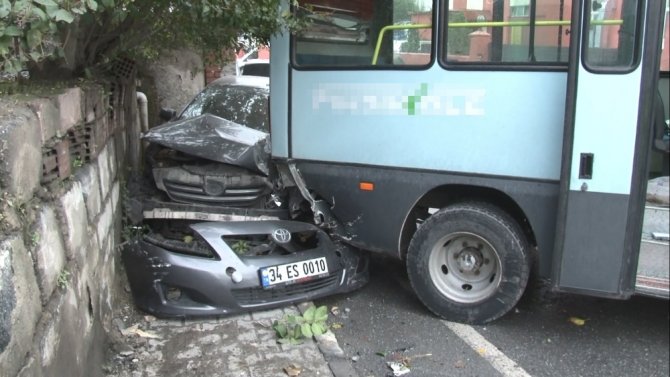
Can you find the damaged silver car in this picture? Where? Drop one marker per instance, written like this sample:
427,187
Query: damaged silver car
217,150
217,268
218,236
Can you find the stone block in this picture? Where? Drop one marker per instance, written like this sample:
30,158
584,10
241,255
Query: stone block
66,339
115,197
90,187
48,117
94,107
103,170
121,151
31,368
108,286
104,225
20,152
183,77
73,209
19,305
69,104
49,253
92,254
111,151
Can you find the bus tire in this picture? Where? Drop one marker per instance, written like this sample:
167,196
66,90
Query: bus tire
469,263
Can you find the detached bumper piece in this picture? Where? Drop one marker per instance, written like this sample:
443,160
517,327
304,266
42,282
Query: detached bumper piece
216,268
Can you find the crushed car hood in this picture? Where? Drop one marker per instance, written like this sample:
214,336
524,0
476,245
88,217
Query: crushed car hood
217,139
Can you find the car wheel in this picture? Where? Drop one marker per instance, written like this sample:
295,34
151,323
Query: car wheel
469,263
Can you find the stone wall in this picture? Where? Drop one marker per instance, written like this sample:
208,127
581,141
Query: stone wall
61,162
171,81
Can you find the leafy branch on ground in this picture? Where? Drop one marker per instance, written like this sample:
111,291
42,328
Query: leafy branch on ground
294,329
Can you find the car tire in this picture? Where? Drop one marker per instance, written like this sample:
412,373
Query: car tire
469,263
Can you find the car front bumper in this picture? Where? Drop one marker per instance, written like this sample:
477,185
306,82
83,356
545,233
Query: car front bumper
167,282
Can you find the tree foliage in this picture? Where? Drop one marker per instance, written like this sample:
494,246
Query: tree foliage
81,34
403,9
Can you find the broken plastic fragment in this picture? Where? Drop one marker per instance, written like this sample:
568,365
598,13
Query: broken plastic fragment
399,369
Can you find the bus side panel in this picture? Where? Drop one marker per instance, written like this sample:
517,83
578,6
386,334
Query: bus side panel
374,219
595,219
482,122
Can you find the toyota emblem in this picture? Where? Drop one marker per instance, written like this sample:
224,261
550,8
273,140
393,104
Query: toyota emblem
281,235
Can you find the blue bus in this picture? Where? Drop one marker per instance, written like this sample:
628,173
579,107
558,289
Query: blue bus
504,137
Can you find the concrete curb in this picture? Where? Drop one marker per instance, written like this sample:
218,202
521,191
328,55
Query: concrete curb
331,350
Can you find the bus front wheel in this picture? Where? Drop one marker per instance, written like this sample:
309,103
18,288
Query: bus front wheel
469,263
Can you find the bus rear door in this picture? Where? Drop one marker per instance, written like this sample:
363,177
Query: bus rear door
612,83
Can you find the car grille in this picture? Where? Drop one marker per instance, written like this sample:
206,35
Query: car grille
258,295
195,193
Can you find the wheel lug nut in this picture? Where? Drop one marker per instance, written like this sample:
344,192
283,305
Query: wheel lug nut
486,260
477,272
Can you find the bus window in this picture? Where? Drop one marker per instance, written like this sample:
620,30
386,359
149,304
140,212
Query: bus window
519,32
612,37
364,34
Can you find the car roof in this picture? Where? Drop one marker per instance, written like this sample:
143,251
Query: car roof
250,81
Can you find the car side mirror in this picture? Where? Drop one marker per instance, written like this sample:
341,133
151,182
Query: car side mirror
167,114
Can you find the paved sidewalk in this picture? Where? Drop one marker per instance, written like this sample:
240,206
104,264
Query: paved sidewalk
240,346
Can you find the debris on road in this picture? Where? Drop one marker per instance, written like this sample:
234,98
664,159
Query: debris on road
398,368
293,370
335,311
135,330
578,321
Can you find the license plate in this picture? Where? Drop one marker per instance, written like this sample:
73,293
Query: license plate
290,272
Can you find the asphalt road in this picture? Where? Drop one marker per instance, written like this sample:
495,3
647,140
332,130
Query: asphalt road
384,322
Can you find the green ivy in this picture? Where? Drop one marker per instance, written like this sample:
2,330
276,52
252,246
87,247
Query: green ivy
29,29
294,329
88,33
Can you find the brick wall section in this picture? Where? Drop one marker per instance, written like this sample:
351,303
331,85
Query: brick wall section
58,230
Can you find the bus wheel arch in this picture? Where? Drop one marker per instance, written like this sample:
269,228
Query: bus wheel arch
443,196
469,262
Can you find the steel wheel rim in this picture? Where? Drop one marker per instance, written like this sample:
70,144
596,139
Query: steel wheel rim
464,267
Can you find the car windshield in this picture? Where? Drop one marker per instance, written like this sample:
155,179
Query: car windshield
243,105
256,69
